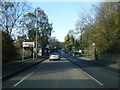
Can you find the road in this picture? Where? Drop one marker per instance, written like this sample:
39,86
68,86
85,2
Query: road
61,74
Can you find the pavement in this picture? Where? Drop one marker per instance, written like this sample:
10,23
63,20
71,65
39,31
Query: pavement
111,66
12,69
115,67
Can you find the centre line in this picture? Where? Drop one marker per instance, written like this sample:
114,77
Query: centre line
23,79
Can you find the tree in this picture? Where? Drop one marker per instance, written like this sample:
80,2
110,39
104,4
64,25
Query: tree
53,42
11,13
105,28
9,52
38,27
68,43
80,28
18,42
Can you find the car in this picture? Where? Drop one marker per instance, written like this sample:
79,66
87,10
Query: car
75,53
54,56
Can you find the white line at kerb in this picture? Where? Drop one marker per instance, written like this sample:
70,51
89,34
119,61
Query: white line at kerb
94,78
23,79
89,75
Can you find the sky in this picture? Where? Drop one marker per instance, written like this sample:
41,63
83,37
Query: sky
63,15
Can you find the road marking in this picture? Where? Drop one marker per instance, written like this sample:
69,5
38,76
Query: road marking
23,79
88,75
93,78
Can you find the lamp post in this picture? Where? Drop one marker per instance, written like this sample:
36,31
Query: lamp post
73,48
36,30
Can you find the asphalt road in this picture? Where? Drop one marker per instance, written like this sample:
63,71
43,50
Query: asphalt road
60,74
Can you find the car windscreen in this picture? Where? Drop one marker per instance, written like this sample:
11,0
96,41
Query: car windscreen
54,54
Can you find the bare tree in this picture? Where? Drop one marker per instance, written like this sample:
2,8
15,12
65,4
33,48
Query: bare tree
11,12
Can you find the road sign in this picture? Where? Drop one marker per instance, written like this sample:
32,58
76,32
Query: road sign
28,44
47,46
73,48
94,44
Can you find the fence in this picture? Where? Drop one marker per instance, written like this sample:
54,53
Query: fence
113,58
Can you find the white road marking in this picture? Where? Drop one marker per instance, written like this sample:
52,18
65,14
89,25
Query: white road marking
93,78
89,75
23,79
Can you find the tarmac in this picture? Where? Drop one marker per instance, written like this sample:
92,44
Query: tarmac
111,66
12,69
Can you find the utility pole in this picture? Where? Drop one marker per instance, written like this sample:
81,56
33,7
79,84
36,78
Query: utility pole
73,44
36,30
74,41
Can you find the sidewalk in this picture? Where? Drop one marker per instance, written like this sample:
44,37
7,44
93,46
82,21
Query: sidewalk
12,69
113,67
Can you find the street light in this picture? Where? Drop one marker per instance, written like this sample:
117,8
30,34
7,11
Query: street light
73,48
36,29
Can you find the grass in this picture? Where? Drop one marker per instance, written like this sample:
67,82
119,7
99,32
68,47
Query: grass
18,61
23,60
90,57
86,56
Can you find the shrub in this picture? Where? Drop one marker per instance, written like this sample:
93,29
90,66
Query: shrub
9,52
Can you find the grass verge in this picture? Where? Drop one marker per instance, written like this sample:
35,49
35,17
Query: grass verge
86,56
18,61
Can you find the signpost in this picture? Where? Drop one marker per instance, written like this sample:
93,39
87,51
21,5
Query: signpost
93,44
95,55
73,50
27,44
47,48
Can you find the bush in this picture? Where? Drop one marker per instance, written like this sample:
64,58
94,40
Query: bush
9,52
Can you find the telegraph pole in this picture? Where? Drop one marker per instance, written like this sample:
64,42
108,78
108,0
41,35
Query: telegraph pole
36,30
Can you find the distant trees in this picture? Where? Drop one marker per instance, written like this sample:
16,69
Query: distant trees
53,42
69,41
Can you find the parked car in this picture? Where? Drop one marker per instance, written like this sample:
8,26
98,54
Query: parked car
54,56
75,53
